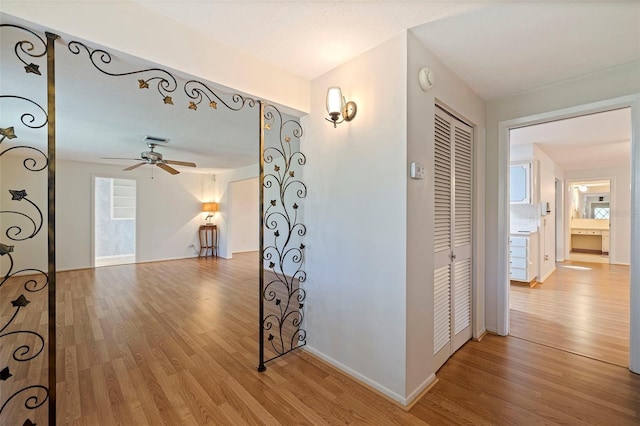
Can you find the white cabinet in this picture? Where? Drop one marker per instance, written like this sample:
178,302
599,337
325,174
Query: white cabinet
520,183
524,182
522,258
605,242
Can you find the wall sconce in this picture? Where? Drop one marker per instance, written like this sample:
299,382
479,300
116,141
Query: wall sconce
210,208
337,107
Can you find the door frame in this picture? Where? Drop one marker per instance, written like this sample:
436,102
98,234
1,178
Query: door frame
92,194
560,226
502,302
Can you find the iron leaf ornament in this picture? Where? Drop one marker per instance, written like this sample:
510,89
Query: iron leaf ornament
9,133
20,302
5,249
17,195
5,374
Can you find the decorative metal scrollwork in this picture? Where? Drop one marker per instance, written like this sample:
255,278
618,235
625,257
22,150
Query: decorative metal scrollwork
198,90
13,232
31,402
282,256
283,250
166,82
25,345
26,47
35,279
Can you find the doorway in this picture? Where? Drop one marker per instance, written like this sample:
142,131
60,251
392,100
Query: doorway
243,210
590,221
572,218
114,214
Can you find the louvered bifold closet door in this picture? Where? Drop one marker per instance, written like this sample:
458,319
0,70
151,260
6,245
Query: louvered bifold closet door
442,230
462,214
453,218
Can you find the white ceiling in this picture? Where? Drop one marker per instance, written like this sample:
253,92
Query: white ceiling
588,142
498,47
101,116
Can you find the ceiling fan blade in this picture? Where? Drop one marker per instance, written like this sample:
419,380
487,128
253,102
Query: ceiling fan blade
135,166
167,168
121,158
180,163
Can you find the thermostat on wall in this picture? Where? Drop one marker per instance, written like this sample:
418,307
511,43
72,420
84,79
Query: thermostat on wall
417,171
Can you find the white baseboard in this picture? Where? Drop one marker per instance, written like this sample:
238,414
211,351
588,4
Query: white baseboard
77,268
417,392
358,376
548,275
480,335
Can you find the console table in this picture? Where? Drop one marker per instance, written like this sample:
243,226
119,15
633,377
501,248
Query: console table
208,235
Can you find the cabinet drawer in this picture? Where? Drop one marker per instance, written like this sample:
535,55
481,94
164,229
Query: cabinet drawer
519,241
518,262
586,232
518,252
518,274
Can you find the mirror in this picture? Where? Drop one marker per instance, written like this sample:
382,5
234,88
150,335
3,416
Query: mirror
590,200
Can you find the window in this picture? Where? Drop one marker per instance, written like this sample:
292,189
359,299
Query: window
601,212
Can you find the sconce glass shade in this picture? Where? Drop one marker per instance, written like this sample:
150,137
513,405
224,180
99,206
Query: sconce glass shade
335,101
210,207
338,108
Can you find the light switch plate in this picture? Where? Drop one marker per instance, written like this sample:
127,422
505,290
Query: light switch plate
417,171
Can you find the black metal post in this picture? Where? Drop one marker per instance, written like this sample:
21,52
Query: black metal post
51,218
261,366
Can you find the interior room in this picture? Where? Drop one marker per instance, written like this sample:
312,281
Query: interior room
569,194
354,160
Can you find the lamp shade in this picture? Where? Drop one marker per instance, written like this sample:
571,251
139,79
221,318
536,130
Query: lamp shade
334,100
210,207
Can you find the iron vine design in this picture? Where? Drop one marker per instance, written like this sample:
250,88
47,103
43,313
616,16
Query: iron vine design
165,81
35,280
285,251
282,258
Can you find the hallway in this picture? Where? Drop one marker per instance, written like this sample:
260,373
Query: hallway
582,308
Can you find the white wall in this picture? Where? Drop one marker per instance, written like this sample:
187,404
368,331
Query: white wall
205,57
223,218
244,213
593,92
168,212
549,171
545,172
620,233
451,91
356,217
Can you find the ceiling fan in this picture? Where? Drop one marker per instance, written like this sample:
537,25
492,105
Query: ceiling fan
154,158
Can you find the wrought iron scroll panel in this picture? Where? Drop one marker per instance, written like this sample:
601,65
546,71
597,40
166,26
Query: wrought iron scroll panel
283,250
24,363
281,297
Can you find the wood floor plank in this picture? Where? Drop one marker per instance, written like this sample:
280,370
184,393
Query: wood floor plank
175,343
582,308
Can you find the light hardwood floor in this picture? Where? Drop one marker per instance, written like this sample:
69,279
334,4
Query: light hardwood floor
175,343
582,308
